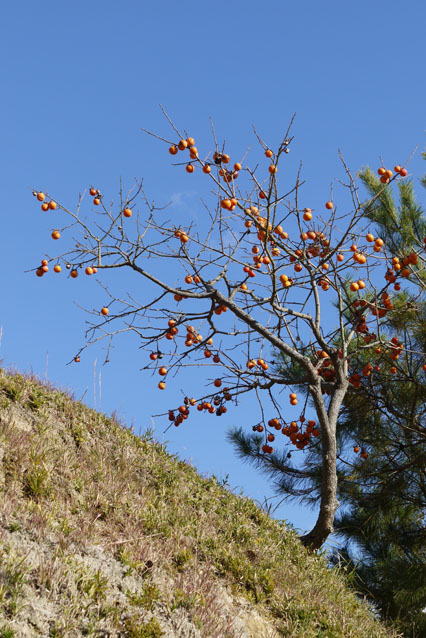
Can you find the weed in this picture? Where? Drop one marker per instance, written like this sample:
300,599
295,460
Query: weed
13,574
149,595
150,629
186,599
13,527
93,585
36,481
182,558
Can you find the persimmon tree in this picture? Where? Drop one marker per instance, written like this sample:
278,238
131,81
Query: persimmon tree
264,278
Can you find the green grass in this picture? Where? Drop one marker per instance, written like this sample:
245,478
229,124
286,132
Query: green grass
73,483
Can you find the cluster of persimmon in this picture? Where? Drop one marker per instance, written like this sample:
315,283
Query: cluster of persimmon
90,270
261,363
183,411
386,174
325,368
400,267
387,352
43,268
41,197
299,435
189,144
364,453
180,234
51,205
95,193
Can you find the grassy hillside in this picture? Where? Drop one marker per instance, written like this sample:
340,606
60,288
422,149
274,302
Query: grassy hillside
105,534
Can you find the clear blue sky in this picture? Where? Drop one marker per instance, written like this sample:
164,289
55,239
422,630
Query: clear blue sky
79,81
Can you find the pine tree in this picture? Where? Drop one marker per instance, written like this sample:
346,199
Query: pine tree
382,497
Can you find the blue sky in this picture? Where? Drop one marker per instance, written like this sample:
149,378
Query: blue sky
79,82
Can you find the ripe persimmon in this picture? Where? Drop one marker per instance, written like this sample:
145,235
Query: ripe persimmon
183,144
96,201
52,205
207,169
172,150
74,273
329,205
403,172
268,152
162,371
127,212
77,359
41,197
272,169
55,234
104,311
189,168
93,192
89,270
45,206
161,385
57,268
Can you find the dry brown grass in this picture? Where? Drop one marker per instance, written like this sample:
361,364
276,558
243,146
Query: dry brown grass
101,531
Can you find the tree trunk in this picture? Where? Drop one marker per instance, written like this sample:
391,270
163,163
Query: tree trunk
329,503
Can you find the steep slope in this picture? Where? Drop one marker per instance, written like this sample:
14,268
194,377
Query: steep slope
105,534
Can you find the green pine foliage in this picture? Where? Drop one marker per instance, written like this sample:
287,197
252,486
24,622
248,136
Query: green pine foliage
383,498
